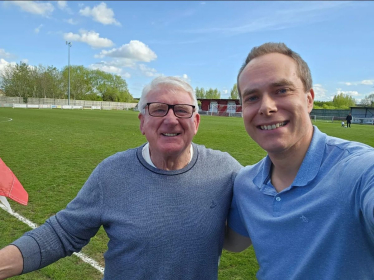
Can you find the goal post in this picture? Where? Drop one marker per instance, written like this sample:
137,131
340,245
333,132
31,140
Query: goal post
325,118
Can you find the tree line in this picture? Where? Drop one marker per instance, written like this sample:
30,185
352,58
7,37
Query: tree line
211,93
25,81
344,101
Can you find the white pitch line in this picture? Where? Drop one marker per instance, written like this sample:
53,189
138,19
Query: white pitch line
8,120
32,225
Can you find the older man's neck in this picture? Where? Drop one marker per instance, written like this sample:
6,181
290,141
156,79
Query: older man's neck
166,162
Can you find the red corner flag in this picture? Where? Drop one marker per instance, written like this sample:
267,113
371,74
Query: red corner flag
10,186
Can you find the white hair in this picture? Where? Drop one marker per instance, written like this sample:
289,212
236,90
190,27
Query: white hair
167,82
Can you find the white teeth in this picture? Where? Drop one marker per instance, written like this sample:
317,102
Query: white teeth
170,134
272,126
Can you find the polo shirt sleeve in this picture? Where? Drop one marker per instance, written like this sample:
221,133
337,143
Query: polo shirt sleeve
235,221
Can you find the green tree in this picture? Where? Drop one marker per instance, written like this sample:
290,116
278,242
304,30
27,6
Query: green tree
49,82
212,94
368,101
19,80
200,93
234,92
80,82
26,81
343,101
110,87
322,104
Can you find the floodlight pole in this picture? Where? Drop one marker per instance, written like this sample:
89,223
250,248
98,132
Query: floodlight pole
69,46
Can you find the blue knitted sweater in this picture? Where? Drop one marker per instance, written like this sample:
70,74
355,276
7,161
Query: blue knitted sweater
161,224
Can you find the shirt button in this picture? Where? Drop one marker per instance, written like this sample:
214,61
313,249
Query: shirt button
278,198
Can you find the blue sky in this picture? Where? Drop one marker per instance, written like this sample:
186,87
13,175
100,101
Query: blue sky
204,42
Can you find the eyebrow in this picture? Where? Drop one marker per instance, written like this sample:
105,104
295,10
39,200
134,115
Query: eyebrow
282,82
279,83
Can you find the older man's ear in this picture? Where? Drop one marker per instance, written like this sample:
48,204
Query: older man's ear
141,118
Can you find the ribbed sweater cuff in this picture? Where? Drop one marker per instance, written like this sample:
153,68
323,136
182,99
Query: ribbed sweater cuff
30,252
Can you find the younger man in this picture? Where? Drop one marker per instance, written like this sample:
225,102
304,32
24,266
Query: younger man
308,206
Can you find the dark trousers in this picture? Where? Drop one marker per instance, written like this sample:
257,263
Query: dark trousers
348,123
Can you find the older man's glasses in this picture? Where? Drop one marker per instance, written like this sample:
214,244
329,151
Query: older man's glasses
157,109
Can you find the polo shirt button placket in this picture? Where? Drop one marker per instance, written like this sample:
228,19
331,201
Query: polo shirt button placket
277,206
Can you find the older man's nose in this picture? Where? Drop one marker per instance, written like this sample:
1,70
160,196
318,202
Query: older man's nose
170,116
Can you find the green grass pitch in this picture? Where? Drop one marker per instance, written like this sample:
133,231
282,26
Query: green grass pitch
52,152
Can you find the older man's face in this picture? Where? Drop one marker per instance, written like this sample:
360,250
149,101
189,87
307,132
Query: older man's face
169,136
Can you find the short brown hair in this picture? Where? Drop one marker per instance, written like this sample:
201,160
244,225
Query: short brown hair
302,67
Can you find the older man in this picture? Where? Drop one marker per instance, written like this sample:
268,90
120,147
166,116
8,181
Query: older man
163,205
308,206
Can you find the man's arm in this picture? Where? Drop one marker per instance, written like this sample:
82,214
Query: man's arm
235,242
11,262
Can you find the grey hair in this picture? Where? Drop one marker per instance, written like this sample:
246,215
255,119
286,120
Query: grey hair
302,67
167,82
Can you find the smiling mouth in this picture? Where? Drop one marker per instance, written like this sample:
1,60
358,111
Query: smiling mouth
273,126
170,134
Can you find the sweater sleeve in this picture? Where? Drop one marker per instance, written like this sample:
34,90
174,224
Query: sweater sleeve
66,232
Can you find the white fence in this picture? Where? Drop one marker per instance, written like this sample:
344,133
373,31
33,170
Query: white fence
51,103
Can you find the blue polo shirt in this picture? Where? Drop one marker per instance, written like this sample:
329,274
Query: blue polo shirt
320,227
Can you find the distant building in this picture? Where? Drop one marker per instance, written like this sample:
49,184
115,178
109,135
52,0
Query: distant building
220,107
362,112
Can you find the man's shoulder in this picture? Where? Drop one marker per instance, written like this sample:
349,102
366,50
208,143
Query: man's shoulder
350,147
211,152
253,169
119,158
212,155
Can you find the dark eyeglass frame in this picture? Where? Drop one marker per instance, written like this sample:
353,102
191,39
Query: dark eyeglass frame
171,107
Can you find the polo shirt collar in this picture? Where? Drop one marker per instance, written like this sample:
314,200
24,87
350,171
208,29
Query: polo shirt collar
309,167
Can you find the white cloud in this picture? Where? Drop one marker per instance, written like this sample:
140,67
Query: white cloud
135,50
347,92
367,82
4,64
348,84
5,54
122,62
320,93
37,8
37,30
100,13
25,60
110,67
106,68
89,37
149,72
71,21
184,77
62,4
126,75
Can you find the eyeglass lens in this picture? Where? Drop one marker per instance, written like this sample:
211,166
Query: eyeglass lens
161,109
